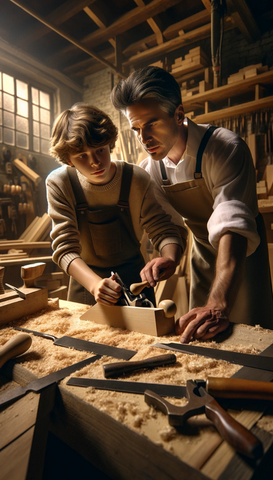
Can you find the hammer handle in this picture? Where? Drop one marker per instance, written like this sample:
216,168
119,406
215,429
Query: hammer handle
239,388
234,432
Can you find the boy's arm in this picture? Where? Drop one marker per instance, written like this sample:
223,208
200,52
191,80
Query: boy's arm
105,290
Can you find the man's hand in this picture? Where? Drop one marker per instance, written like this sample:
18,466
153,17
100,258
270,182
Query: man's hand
201,323
157,269
107,291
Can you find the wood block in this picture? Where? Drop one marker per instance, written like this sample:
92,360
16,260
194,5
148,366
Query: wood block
269,179
236,77
60,293
204,86
251,141
150,321
12,307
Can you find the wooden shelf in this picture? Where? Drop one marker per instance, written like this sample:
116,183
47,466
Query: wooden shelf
253,84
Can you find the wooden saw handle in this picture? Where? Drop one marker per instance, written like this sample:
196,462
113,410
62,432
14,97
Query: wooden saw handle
15,346
120,368
239,388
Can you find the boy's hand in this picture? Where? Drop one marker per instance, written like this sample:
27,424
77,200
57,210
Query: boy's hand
107,291
159,268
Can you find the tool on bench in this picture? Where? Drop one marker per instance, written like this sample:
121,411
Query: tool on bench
261,362
19,292
136,288
41,383
122,368
84,345
218,387
200,401
14,347
129,298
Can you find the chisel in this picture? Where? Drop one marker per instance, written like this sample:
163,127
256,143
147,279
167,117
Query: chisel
122,368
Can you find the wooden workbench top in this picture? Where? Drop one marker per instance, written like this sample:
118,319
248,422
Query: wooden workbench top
115,430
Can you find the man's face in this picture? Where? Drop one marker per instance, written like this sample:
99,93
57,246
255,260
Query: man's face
155,130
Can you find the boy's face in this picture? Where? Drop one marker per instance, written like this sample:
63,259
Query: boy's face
95,164
156,131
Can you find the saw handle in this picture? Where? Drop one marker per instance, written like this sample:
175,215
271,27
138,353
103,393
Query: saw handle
121,368
234,432
239,388
15,346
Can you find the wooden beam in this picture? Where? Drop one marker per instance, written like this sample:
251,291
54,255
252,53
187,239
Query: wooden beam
129,20
187,24
244,20
153,24
58,16
207,5
68,37
193,36
98,22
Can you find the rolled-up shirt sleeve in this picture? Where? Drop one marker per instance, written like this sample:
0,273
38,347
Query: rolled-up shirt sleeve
233,186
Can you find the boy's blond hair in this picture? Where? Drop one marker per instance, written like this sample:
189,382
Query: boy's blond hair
80,126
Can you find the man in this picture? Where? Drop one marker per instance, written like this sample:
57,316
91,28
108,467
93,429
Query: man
205,176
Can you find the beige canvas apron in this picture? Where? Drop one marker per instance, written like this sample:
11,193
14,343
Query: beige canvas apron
107,238
193,201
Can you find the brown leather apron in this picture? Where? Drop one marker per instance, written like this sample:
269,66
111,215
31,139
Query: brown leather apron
193,201
108,239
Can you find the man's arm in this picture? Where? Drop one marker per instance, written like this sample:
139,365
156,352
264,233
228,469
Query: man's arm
205,322
105,290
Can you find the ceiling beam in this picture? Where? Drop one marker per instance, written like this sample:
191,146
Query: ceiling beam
207,5
190,23
244,20
58,16
91,14
185,39
129,20
152,23
65,35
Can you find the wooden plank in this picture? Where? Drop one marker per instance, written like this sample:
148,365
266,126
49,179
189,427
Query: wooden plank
150,321
23,245
33,176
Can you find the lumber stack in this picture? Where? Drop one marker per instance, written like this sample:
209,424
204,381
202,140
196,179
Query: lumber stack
194,60
247,72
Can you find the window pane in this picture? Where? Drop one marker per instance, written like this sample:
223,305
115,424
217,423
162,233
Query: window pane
22,107
21,140
22,89
1,80
22,124
9,136
0,134
0,99
45,146
35,95
8,102
35,112
45,116
9,120
1,117
36,129
45,131
8,83
44,100
36,144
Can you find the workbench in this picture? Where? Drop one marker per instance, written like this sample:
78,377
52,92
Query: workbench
118,432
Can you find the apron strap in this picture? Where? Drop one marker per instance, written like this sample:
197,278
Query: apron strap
201,149
126,180
81,204
165,179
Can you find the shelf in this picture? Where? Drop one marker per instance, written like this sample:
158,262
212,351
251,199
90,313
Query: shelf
253,84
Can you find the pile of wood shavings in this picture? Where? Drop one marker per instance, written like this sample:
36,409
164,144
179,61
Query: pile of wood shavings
44,357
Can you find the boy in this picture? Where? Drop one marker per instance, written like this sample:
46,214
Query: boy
100,208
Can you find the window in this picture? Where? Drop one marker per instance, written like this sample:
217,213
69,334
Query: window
24,115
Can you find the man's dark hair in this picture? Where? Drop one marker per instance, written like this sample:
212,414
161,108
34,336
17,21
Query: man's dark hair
148,82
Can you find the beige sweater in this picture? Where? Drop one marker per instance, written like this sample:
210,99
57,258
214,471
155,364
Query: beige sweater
146,213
